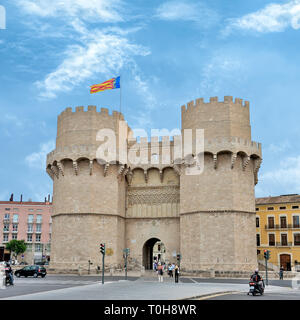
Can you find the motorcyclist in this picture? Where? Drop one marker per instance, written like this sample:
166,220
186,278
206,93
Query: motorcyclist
9,273
257,279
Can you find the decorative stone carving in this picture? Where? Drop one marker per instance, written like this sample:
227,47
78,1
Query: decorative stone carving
153,195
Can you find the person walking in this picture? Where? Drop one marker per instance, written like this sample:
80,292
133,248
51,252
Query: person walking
176,273
160,272
170,269
281,273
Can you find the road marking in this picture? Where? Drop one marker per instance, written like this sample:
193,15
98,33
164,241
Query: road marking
217,295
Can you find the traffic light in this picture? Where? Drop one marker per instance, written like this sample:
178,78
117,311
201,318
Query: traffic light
102,248
267,254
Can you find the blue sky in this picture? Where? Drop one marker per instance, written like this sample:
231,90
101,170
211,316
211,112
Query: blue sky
167,53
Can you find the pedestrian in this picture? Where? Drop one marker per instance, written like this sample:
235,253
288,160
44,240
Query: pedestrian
281,273
170,271
176,273
160,272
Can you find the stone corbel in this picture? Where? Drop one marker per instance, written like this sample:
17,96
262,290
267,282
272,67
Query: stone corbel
121,169
106,166
54,170
215,159
60,168
245,162
161,175
177,169
129,177
125,171
257,164
50,172
75,167
233,160
91,167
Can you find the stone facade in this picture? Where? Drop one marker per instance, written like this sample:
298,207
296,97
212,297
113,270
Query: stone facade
209,218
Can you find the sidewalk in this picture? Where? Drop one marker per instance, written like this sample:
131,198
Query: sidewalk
141,290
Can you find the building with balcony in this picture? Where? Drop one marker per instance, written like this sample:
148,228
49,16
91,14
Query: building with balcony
278,230
28,221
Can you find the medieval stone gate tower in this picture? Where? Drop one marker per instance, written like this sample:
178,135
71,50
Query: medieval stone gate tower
209,218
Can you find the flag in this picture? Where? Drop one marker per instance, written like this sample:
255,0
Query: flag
113,83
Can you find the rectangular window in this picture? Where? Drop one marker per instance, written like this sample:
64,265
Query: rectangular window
14,236
5,237
38,238
257,222
15,209
295,207
7,209
283,223
39,210
15,227
29,237
258,240
257,209
38,228
270,208
38,247
282,208
39,218
297,239
29,227
296,221
271,222
30,218
6,216
271,239
6,227
30,209
28,247
284,241
15,218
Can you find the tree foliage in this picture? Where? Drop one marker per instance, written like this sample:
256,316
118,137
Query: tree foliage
16,246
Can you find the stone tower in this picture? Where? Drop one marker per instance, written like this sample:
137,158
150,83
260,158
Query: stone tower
217,207
209,218
88,196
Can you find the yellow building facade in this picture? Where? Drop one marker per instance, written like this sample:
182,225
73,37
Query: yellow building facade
278,230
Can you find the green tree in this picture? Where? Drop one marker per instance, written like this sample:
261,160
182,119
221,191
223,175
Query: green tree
16,246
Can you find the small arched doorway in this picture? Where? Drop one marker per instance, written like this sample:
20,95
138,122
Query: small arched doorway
149,254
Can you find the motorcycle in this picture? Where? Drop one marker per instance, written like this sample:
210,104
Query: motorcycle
256,287
7,277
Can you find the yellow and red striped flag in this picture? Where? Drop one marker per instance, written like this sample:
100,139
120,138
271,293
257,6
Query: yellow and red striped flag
113,83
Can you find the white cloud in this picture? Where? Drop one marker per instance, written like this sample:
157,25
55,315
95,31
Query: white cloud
186,11
104,53
96,10
38,159
286,179
272,18
278,148
96,51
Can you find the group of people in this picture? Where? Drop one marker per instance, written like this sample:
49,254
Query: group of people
160,268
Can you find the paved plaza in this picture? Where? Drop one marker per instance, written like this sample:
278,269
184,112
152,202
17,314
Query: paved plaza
66,287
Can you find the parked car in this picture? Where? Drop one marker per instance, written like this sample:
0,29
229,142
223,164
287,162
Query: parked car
33,271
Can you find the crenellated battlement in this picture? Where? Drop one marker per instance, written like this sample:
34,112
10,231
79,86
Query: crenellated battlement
91,109
212,100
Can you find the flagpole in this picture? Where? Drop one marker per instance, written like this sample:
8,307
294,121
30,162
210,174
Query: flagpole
120,94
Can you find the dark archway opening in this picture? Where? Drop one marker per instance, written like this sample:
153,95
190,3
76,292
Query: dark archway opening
148,253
